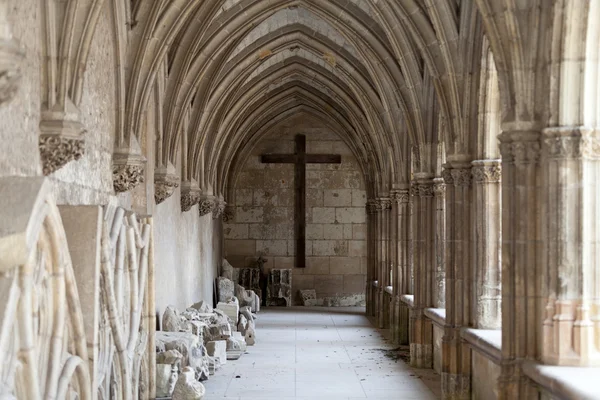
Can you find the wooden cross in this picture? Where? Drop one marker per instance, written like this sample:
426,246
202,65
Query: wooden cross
300,159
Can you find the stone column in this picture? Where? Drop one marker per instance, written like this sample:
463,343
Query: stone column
522,247
421,346
394,251
402,247
371,257
456,362
383,206
439,276
571,326
487,280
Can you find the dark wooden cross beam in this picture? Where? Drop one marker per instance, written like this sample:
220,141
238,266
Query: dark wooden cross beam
300,159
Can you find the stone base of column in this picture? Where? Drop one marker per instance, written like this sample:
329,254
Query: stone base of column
456,387
421,349
394,318
403,324
513,384
370,299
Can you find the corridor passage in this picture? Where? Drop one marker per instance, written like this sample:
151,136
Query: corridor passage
317,354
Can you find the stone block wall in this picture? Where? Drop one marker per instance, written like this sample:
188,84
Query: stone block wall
335,215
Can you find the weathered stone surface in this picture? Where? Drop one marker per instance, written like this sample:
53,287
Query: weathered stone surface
171,321
249,278
218,349
187,387
309,297
166,377
227,270
245,297
226,289
231,309
279,288
184,342
202,307
167,370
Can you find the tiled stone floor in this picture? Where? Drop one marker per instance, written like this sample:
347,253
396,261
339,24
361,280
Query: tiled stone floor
319,353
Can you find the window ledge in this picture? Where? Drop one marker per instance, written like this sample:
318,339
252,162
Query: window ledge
389,289
486,341
408,299
565,382
437,315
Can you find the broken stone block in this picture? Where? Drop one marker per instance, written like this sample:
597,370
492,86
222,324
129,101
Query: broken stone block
250,334
231,309
246,312
225,289
167,370
308,297
249,278
235,347
279,288
187,387
256,303
183,342
213,364
242,324
218,350
171,320
202,307
227,270
166,377
245,297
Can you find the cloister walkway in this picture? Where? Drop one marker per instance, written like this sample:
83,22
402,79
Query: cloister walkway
320,353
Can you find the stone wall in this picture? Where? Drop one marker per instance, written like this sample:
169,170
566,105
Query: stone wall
335,214
186,255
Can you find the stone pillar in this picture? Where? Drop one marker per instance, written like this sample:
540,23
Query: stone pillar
521,250
571,326
371,257
402,248
487,280
383,207
421,346
394,251
456,362
439,273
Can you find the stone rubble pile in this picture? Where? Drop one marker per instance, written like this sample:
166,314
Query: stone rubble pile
196,342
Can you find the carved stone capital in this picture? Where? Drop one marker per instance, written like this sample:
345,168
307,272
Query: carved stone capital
447,175
207,205
371,206
520,148
61,137
400,196
571,143
383,203
128,166
165,183
422,189
487,171
219,208
11,58
229,214
126,177
461,176
190,195
439,187
56,151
